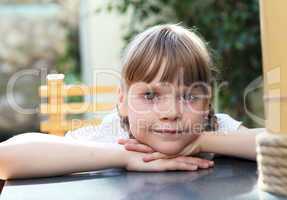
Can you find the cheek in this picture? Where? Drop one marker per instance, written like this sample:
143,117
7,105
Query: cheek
197,111
140,112
200,107
140,123
136,104
193,121
194,116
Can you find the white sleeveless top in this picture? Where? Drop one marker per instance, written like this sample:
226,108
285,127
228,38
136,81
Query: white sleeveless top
110,129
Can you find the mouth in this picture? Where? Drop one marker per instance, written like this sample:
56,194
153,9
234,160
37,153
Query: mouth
168,131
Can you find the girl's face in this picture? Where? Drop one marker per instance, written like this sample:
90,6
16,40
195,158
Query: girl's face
165,116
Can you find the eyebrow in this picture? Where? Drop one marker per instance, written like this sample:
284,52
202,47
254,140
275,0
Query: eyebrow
163,84
158,86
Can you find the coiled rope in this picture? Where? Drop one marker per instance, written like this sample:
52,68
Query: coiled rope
272,162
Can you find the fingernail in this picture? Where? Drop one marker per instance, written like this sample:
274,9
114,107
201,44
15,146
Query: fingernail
128,145
211,162
146,159
120,140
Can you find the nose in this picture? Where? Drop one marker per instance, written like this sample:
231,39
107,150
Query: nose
171,110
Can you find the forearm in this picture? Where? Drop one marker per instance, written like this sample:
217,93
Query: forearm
236,144
46,155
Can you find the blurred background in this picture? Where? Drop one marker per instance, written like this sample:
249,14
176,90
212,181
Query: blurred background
81,38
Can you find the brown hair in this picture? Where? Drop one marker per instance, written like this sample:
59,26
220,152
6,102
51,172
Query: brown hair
176,46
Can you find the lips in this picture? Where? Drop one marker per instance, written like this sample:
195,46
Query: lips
168,131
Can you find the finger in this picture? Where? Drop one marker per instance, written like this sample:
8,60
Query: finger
139,148
211,163
133,141
125,141
175,165
201,163
155,156
122,141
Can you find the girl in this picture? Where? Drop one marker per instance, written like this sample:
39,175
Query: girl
164,116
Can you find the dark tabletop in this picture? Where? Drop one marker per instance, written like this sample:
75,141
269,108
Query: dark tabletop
230,179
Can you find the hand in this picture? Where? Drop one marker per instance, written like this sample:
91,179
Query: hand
191,149
135,163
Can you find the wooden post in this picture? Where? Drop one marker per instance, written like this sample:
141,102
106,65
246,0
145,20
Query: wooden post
55,83
273,17
272,145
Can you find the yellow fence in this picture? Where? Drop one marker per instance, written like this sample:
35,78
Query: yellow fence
56,109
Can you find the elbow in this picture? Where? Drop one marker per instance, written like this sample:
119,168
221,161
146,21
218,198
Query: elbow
7,163
3,164
5,170
4,175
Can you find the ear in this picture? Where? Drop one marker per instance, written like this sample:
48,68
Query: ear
122,101
206,106
208,100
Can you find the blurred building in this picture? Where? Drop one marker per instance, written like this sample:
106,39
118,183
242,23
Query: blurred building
32,38
101,45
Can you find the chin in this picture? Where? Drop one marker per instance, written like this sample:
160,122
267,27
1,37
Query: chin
168,148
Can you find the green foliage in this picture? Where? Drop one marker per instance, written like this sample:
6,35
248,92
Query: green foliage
69,62
231,29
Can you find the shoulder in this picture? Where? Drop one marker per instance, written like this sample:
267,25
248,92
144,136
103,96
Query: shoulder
108,131
226,123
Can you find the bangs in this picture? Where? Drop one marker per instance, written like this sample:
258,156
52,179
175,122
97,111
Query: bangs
170,52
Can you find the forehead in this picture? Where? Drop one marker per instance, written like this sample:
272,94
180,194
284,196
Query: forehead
169,87
167,74
174,77
176,82
168,65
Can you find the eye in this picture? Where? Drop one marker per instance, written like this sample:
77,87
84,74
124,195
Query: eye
190,97
149,95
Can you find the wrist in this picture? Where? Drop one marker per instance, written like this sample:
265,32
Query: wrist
125,158
203,142
131,160
211,142
122,157
111,155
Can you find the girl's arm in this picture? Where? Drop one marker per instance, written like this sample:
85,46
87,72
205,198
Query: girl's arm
239,144
39,155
